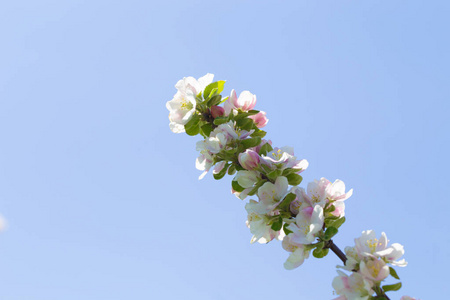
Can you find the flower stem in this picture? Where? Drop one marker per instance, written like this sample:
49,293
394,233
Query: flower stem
336,250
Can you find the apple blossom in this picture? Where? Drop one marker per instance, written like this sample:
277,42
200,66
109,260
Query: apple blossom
353,287
183,104
249,159
245,102
374,269
271,193
298,253
283,158
260,119
308,222
258,222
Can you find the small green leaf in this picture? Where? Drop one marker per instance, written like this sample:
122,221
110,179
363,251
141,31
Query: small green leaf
195,119
319,253
193,130
337,223
220,120
284,205
251,142
254,190
285,229
392,287
240,116
277,224
236,186
206,129
319,246
216,86
253,112
245,124
222,172
215,100
260,133
274,174
393,273
265,148
231,170
329,233
330,208
294,179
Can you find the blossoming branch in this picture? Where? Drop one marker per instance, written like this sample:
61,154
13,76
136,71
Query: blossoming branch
305,220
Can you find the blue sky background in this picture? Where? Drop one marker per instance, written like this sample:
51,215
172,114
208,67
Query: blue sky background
103,200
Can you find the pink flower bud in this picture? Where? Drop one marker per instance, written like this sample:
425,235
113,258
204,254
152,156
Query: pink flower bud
260,119
217,111
249,160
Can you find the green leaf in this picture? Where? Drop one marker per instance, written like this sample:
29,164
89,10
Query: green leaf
236,186
220,120
273,175
278,224
330,232
193,130
285,229
284,205
330,208
319,253
245,124
223,100
251,142
240,116
222,172
265,148
260,133
256,187
294,179
392,287
215,100
337,223
193,121
253,112
393,273
231,170
206,129
216,86
320,245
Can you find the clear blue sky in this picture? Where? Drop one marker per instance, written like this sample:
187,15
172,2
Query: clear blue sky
103,200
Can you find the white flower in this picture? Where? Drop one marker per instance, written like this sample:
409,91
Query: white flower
245,102
298,253
183,104
374,269
271,194
353,287
283,158
258,222
308,222
369,246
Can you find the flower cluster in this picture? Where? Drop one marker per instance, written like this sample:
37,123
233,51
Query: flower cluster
369,261
304,220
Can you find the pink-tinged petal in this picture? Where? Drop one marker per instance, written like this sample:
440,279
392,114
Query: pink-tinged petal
249,160
246,101
260,119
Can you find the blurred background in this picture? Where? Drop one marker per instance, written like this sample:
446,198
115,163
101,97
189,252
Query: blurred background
103,201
